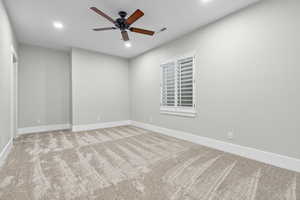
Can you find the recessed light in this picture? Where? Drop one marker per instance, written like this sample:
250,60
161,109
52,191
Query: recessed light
206,1
58,25
127,44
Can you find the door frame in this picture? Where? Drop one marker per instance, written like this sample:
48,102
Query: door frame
14,93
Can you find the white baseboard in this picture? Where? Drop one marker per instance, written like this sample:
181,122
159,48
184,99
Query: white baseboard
46,128
100,125
4,153
251,153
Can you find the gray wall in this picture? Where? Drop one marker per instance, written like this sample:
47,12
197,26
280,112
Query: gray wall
44,86
248,67
99,88
6,41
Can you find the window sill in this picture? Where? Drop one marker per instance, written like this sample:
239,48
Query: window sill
185,112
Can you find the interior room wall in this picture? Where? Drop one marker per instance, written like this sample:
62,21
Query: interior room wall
7,41
100,88
247,79
44,86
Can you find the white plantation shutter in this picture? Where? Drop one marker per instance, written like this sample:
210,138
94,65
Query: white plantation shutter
185,82
168,84
178,87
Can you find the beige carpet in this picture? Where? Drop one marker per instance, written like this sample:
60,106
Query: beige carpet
128,163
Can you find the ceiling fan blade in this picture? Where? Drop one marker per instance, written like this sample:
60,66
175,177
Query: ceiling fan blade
125,35
104,29
142,31
99,12
134,17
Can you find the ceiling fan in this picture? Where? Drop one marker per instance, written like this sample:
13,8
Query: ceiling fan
123,24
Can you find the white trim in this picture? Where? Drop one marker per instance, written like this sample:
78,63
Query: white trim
180,57
251,153
13,50
180,111
4,153
100,125
46,128
14,92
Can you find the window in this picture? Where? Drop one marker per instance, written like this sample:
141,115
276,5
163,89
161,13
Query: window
178,87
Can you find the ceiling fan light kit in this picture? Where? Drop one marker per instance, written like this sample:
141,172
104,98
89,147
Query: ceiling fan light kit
123,24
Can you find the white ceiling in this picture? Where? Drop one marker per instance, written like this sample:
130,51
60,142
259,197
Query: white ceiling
32,20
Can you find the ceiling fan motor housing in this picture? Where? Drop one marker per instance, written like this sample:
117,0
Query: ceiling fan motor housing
123,14
121,22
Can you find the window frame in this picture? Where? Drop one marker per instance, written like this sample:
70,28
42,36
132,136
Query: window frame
179,110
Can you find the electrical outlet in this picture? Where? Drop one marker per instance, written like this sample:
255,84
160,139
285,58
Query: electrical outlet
38,121
230,135
99,118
